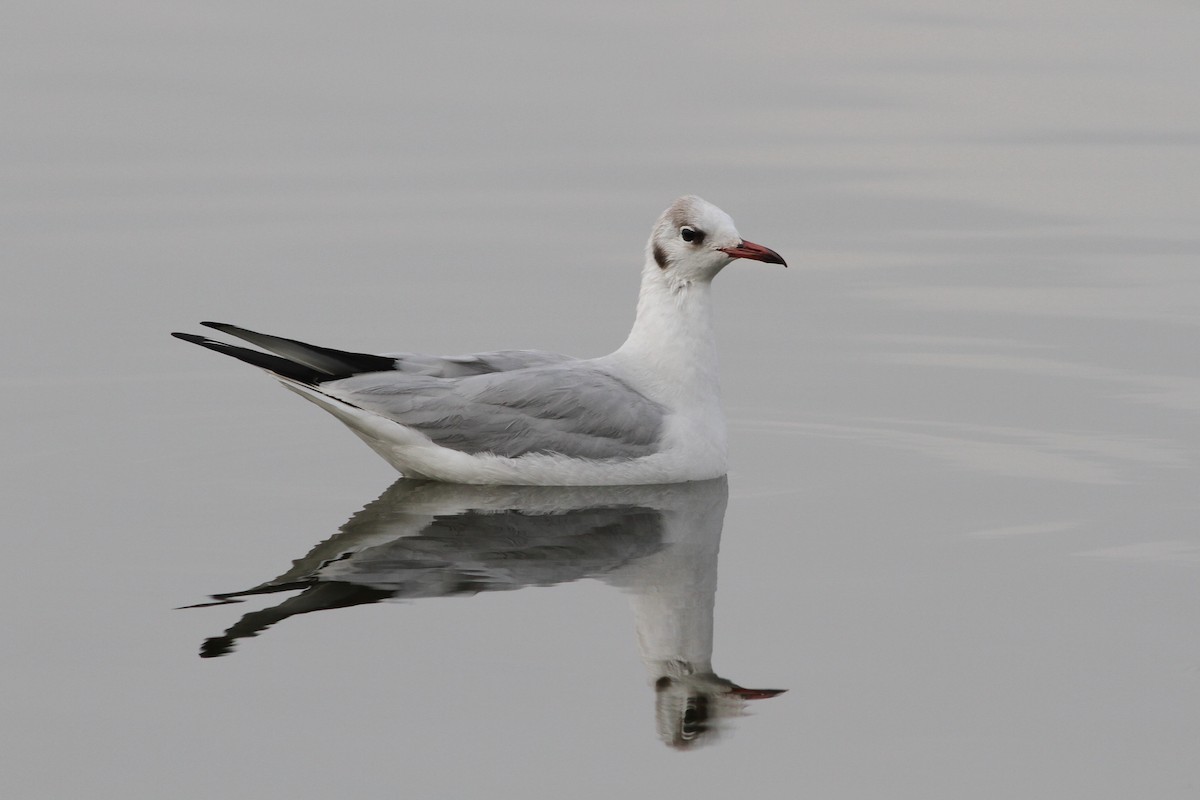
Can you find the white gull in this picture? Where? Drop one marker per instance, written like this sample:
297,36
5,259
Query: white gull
648,413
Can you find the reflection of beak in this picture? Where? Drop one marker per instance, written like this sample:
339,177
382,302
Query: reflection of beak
756,694
755,251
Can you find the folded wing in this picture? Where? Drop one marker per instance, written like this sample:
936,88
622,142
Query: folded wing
575,410
508,403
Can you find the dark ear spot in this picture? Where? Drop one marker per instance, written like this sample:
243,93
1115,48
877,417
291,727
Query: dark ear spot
662,684
660,257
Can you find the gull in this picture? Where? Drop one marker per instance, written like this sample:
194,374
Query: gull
650,412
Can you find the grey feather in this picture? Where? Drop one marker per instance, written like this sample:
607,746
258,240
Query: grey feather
570,410
476,364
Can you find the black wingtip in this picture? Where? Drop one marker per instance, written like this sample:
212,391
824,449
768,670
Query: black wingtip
291,358
282,367
190,337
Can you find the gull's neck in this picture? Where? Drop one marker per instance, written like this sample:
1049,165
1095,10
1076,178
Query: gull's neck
672,344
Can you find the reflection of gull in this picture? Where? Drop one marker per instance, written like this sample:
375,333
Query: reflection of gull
647,413
425,539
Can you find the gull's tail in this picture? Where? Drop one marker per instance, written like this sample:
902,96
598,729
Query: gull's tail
288,358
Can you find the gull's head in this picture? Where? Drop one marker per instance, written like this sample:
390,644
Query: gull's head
693,240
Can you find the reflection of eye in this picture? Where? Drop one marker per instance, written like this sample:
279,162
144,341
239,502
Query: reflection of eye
695,717
690,234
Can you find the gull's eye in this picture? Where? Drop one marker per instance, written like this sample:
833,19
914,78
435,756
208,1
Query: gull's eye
690,234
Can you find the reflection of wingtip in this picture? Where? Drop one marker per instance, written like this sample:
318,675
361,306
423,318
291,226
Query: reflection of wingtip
216,646
216,601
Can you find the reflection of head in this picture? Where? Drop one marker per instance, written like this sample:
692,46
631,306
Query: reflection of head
690,709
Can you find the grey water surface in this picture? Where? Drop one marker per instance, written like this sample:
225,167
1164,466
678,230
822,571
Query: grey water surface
960,527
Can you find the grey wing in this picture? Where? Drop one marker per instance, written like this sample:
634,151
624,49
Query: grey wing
574,410
475,364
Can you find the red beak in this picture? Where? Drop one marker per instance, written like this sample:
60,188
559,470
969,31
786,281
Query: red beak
756,694
754,251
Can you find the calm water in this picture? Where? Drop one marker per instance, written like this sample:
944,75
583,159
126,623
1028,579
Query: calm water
961,524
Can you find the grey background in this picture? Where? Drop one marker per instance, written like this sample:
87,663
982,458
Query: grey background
962,525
